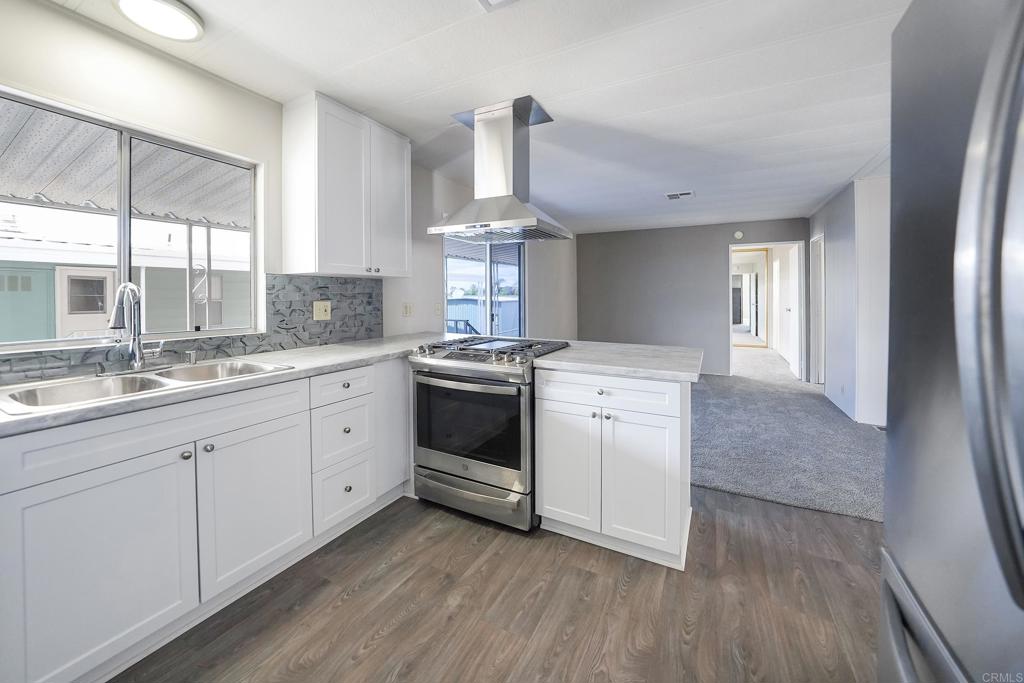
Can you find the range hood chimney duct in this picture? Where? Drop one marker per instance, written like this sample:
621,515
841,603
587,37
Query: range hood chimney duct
501,209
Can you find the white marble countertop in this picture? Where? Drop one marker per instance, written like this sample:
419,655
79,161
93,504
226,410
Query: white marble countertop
305,362
671,363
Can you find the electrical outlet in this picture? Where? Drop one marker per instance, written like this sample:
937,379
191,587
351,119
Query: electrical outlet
437,309
406,310
322,309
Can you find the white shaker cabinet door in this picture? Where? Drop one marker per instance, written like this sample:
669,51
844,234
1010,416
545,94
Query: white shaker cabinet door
92,563
254,499
390,181
343,190
568,438
641,478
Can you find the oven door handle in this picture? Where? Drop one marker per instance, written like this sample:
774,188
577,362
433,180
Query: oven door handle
468,386
511,502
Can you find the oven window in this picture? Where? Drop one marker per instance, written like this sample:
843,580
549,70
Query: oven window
470,424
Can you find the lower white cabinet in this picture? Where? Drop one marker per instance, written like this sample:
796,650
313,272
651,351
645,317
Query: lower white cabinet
615,477
92,563
640,492
342,490
569,473
393,418
254,499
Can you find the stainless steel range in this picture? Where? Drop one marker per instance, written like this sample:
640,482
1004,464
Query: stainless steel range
474,425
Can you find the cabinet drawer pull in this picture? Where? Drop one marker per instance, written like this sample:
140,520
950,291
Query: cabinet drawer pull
348,489
347,430
600,392
346,385
208,448
186,455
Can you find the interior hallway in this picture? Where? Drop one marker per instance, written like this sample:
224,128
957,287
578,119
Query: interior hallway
766,434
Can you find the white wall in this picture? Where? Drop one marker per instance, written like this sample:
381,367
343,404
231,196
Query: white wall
855,226
872,209
551,289
433,196
53,54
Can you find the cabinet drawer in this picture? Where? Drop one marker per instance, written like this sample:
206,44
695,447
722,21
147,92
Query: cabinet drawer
339,386
341,491
341,430
623,393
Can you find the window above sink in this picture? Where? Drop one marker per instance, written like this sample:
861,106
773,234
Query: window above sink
86,204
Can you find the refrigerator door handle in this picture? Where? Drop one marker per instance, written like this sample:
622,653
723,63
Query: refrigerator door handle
988,260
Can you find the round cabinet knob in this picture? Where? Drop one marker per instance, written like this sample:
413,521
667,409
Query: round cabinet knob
600,392
348,489
593,414
347,430
369,270
186,455
208,448
607,416
376,270
346,385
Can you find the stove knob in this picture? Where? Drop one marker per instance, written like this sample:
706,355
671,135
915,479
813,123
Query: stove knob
521,359
424,350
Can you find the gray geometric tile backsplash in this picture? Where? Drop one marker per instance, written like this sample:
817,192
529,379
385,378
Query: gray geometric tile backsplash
356,313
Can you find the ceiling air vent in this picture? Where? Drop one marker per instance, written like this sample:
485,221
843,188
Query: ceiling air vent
685,194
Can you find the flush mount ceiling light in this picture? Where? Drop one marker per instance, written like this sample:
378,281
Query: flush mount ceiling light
491,5
168,18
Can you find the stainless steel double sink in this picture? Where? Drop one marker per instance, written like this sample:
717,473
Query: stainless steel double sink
53,395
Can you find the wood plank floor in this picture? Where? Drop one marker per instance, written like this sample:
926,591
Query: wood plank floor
421,593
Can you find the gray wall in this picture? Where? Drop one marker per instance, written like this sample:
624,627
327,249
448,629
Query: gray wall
668,286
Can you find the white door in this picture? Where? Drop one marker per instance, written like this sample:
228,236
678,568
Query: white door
92,563
83,300
343,190
568,439
392,398
390,178
641,492
254,499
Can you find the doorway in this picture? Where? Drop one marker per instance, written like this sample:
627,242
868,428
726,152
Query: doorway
749,291
817,310
767,300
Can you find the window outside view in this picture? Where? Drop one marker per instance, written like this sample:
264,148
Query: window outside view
59,206
476,273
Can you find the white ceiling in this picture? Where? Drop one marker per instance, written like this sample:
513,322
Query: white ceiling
763,107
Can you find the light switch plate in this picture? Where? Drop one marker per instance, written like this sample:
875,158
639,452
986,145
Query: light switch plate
322,310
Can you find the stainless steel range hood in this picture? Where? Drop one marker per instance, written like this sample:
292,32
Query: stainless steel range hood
501,210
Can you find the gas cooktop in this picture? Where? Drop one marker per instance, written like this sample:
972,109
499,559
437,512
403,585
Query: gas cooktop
504,357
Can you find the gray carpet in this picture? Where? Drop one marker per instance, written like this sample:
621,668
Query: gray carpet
766,434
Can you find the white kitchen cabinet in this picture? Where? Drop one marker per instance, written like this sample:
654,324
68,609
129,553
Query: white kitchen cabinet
93,562
614,477
640,492
346,192
393,418
340,430
342,490
390,203
568,438
254,499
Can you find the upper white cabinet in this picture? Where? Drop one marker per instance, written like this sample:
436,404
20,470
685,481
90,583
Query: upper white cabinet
347,192
94,562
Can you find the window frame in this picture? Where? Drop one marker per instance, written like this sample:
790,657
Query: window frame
126,133
489,282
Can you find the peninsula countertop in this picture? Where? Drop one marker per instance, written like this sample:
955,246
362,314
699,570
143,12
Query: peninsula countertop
671,363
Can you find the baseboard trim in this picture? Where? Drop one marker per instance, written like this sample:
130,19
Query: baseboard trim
154,642
625,547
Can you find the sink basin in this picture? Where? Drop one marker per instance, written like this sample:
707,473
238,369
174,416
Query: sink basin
224,369
85,390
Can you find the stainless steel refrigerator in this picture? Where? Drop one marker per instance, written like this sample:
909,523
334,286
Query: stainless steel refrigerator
953,560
